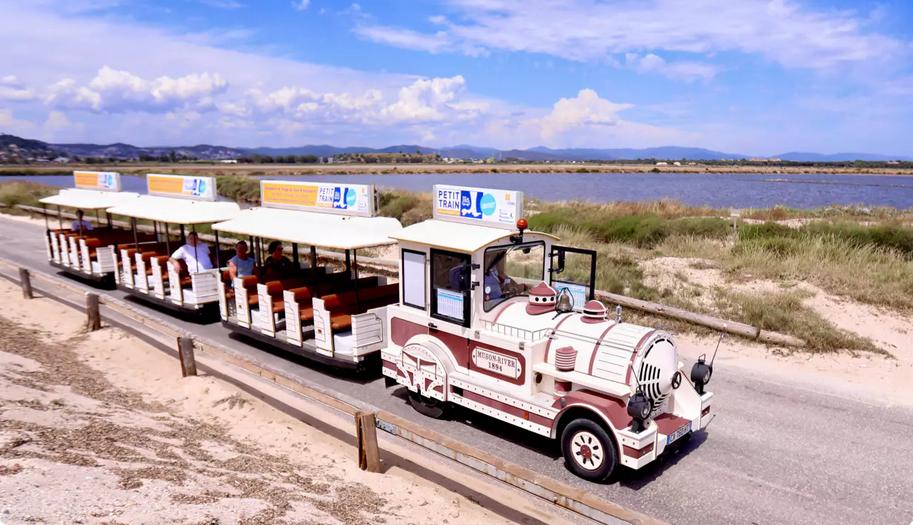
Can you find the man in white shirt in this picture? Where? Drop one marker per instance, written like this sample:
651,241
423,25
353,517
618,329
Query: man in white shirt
194,253
79,224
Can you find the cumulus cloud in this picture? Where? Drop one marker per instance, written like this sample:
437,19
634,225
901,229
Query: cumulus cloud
586,109
115,91
13,90
301,5
427,100
781,31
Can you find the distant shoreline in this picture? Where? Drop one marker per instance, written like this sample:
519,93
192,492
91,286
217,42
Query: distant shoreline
381,169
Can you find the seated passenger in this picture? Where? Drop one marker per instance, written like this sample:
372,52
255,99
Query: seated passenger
242,264
79,224
496,278
195,254
276,266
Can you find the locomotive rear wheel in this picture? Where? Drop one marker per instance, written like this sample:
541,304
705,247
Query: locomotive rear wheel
588,450
427,406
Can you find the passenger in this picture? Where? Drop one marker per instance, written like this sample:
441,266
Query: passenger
80,224
195,253
276,266
494,281
242,264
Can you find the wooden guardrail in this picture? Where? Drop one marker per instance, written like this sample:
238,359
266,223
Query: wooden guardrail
559,493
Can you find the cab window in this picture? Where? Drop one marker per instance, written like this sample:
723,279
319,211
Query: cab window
450,286
511,270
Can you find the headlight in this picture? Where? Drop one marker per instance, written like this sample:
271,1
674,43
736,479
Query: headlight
639,408
700,375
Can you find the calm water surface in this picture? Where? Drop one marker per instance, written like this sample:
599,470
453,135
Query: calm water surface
717,190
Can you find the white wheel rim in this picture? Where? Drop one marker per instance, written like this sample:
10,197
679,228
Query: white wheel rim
587,450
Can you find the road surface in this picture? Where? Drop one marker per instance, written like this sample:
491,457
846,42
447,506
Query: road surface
775,453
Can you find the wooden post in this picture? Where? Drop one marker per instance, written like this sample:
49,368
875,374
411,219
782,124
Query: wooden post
93,322
366,437
188,362
25,280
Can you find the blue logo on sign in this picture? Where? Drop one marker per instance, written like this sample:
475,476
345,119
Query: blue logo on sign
200,187
469,204
343,198
487,204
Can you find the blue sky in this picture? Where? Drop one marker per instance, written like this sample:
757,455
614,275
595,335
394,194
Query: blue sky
757,77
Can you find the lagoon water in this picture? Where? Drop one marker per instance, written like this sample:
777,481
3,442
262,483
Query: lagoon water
717,190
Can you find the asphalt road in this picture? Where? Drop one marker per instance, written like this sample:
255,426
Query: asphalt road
774,454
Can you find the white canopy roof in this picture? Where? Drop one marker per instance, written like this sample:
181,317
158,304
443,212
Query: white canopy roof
88,199
313,229
176,211
455,236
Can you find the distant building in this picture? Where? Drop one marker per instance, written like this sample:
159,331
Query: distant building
661,163
228,161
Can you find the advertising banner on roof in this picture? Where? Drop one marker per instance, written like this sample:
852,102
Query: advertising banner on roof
342,199
97,180
482,206
182,186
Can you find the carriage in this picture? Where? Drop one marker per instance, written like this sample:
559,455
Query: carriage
80,248
322,308
161,221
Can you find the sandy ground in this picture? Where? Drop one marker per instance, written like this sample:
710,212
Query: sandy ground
100,428
879,378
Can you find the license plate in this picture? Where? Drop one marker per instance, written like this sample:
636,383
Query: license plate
681,431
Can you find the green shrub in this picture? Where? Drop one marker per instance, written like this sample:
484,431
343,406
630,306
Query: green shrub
21,192
239,188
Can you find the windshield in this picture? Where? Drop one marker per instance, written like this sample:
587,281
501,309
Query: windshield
510,271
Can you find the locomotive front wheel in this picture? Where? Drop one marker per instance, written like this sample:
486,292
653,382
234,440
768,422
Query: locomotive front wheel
588,450
427,406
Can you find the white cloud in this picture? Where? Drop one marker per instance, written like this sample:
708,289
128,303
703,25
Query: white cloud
586,109
13,90
10,124
781,31
114,91
301,5
405,38
686,71
427,100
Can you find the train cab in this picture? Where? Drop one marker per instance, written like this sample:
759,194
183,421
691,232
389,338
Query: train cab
503,321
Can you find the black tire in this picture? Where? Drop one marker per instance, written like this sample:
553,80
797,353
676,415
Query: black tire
588,450
427,406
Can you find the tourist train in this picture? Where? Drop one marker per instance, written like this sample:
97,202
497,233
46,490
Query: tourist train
483,313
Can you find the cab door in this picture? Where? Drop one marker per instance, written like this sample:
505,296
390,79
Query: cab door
574,270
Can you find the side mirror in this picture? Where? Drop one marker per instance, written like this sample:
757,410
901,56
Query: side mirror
561,261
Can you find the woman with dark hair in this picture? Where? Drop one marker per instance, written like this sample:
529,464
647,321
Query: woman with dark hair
276,266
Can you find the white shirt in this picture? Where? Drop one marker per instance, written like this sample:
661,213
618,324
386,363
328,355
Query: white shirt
86,225
194,255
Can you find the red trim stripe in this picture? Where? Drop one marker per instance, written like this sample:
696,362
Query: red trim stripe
634,354
636,454
596,346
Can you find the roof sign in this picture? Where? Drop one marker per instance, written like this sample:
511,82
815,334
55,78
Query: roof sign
341,199
485,207
181,186
97,180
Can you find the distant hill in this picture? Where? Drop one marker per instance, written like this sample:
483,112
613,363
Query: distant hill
801,156
17,149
